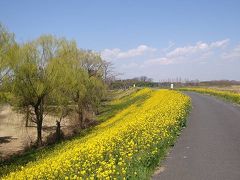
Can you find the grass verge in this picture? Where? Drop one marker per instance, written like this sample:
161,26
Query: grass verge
224,94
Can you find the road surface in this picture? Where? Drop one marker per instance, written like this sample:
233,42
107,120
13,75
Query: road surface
209,147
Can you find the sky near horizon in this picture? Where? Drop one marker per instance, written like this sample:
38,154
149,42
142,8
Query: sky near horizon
193,39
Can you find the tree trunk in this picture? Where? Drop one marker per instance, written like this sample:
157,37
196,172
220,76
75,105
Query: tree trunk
58,131
97,112
39,117
81,117
27,116
39,134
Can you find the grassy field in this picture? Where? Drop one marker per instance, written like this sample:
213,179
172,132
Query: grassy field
226,93
232,88
135,132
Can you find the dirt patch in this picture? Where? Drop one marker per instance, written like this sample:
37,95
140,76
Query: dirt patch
159,171
15,137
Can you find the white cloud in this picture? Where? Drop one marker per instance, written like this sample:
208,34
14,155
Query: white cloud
111,54
148,60
199,51
171,44
233,54
198,47
130,65
158,61
204,60
187,50
220,44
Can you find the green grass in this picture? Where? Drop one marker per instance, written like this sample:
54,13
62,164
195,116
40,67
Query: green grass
147,167
113,107
110,108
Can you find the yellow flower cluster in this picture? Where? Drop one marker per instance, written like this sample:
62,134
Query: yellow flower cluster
135,135
228,95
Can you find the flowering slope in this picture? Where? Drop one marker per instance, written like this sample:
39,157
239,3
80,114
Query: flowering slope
228,95
123,147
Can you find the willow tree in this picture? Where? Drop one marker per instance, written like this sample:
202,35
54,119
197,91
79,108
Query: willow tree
61,98
32,82
52,71
8,48
75,88
94,88
87,94
6,43
84,86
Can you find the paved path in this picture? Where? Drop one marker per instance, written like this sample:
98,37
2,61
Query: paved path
209,147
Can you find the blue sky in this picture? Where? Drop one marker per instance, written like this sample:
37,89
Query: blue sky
194,39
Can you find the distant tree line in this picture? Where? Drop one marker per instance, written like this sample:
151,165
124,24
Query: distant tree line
219,83
51,72
144,81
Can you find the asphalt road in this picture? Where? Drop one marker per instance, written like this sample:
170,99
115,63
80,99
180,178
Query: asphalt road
209,147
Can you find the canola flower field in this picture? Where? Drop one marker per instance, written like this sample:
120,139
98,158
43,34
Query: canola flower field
127,146
227,95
